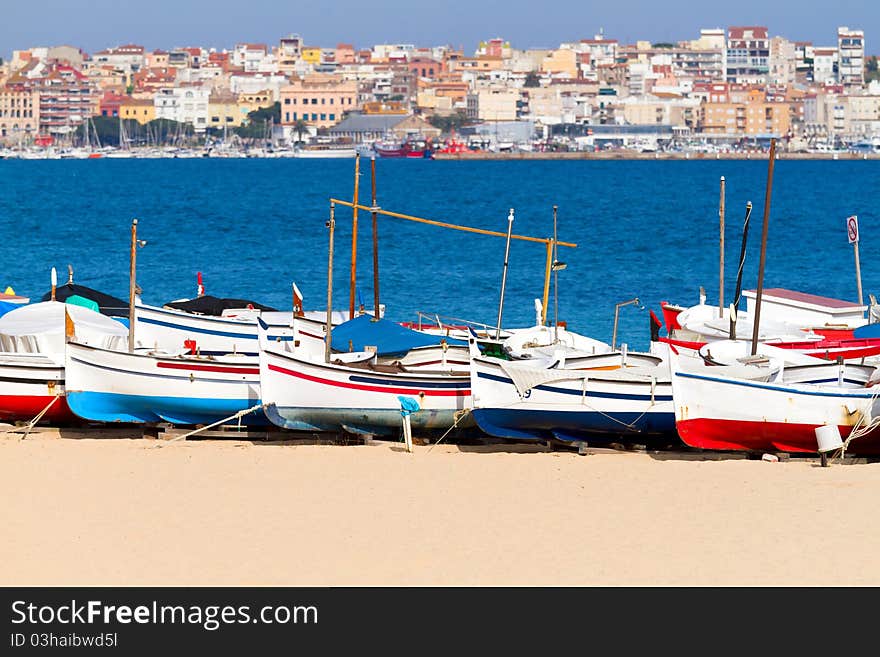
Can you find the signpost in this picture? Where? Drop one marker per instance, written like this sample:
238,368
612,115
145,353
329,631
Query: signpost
852,232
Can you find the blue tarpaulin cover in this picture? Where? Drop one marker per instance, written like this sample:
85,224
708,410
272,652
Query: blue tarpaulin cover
389,338
5,307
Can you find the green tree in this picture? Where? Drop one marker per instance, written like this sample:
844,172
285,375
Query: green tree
871,69
663,44
449,122
256,126
532,80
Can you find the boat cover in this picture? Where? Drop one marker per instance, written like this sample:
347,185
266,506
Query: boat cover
108,305
214,306
525,376
40,328
5,307
389,338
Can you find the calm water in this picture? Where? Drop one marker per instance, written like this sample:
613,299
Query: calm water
646,229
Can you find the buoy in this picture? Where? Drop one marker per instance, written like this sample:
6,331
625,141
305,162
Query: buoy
827,440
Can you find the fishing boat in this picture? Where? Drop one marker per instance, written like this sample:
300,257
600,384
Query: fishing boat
718,408
820,327
108,385
353,391
525,401
32,339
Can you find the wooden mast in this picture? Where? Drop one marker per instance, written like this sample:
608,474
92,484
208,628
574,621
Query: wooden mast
721,252
760,291
354,236
132,285
375,240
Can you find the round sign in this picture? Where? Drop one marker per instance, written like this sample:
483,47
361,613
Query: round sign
852,229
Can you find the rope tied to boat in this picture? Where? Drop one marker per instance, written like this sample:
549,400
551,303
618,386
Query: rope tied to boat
234,416
457,417
39,416
862,428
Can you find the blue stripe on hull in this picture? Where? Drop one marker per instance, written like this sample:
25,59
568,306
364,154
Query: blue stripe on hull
570,425
197,329
111,407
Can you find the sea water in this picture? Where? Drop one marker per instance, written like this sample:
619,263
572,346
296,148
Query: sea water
646,229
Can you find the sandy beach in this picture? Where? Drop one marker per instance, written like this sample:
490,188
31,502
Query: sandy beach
86,511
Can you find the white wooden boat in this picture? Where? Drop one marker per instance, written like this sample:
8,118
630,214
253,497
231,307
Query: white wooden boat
117,386
521,400
718,408
32,340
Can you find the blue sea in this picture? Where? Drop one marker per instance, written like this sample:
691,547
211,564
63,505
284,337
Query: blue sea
646,229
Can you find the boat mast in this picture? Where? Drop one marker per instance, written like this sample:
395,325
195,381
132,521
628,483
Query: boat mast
721,253
354,236
760,291
504,274
374,207
331,224
132,285
734,307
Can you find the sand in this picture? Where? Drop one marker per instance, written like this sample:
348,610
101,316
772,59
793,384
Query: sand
217,512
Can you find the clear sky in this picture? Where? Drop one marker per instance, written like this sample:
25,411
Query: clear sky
97,24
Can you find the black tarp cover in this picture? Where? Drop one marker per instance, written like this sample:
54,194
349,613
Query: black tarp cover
110,306
209,305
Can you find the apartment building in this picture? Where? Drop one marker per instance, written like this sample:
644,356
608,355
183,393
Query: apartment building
19,113
748,54
318,100
851,57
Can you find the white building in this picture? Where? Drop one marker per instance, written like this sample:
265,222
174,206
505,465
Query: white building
851,56
184,105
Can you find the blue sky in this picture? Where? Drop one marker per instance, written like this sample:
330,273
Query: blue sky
96,24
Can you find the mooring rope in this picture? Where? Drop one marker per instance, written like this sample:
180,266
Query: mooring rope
458,416
239,414
39,416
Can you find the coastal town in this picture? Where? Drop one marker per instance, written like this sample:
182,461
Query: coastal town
726,91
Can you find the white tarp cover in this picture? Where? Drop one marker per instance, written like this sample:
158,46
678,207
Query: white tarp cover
40,328
525,377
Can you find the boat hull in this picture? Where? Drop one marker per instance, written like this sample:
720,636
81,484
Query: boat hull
724,413
306,395
111,386
592,405
28,385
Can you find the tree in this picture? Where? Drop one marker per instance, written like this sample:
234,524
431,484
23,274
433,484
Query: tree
532,80
663,44
257,121
450,122
871,69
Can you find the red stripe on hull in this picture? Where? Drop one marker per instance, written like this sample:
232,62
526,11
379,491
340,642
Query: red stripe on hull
739,435
357,386
23,407
208,368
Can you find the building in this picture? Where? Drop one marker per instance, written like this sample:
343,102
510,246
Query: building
318,100
493,103
19,113
782,65
142,110
825,67
851,57
748,54
184,105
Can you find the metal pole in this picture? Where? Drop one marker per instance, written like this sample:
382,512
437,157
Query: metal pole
331,224
375,240
739,273
132,285
354,235
721,254
760,291
858,270
504,274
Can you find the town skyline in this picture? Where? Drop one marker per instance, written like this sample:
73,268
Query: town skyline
109,23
